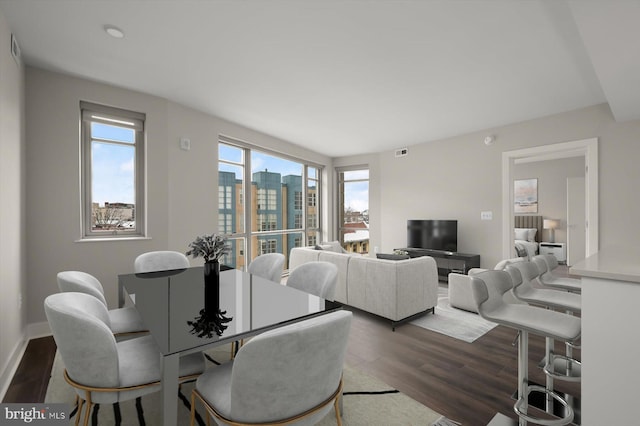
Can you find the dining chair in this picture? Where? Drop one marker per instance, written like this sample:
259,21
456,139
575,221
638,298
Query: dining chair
100,369
122,321
162,260
289,374
317,278
268,265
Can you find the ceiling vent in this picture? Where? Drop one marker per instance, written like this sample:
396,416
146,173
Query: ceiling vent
402,152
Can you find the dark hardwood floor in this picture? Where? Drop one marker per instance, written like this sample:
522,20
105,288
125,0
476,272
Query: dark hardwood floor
29,383
466,382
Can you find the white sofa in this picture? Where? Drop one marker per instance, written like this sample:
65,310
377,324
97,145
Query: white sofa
394,289
461,293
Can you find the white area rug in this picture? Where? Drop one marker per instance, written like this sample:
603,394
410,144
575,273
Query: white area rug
367,402
453,322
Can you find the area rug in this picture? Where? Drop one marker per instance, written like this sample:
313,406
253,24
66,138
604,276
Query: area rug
453,322
366,401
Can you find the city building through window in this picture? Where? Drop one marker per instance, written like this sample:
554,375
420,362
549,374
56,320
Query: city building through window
260,202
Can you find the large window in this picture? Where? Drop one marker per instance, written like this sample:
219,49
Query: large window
265,191
353,209
112,172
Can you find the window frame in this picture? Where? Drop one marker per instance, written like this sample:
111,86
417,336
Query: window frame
340,180
250,236
95,113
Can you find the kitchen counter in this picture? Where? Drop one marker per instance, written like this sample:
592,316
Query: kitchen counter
610,345
615,263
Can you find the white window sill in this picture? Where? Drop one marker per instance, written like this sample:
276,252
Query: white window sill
103,239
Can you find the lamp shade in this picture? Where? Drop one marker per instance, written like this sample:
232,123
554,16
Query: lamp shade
550,224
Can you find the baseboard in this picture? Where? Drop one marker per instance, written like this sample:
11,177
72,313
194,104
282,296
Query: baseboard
33,331
37,330
12,366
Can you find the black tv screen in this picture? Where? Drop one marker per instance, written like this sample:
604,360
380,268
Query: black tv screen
433,234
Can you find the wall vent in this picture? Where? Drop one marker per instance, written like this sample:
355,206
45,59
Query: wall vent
402,152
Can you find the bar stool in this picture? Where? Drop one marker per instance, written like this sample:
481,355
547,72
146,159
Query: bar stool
488,290
546,263
522,276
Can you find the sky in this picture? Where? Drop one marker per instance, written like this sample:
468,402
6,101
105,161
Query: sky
113,168
356,193
113,165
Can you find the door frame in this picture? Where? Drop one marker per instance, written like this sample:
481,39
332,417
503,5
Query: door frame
587,148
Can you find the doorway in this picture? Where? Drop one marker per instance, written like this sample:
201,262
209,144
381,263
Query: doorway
588,148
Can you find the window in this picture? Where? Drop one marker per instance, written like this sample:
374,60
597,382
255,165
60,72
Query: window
268,212
313,207
268,246
298,200
353,209
112,172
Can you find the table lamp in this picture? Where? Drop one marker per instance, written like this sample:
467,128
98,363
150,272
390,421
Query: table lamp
551,225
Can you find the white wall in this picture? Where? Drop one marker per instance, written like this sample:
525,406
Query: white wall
457,178
12,225
194,211
182,186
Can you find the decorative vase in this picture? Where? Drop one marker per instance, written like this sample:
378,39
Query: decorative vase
212,287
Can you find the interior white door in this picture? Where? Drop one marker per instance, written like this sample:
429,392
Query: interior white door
576,224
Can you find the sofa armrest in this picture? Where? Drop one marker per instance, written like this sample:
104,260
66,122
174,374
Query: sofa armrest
393,289
417,278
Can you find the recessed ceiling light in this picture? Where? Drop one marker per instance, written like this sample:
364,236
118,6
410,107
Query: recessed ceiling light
113,31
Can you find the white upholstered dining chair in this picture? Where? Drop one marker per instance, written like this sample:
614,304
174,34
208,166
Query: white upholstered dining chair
100,369
122,321
290,375
268,265
161,260
317,278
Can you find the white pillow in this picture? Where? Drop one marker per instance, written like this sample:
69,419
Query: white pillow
526,234
333,246
521,233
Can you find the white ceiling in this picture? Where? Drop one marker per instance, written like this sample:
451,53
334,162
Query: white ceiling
349,77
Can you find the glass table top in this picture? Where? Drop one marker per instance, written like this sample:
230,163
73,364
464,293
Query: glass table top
169,300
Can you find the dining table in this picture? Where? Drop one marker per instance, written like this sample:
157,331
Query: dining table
172,307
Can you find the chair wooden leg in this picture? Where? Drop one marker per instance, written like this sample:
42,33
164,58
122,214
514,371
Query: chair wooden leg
89,405
79,410
87,413
193,409
336,405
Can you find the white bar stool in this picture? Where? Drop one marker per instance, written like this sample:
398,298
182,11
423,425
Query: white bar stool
522,276
488,290
546,263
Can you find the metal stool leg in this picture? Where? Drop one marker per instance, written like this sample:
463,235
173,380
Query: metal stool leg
524,388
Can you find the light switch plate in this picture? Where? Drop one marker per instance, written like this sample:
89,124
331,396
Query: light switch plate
486,215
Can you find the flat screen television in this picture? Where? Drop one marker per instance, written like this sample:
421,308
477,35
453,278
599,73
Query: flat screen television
433,234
